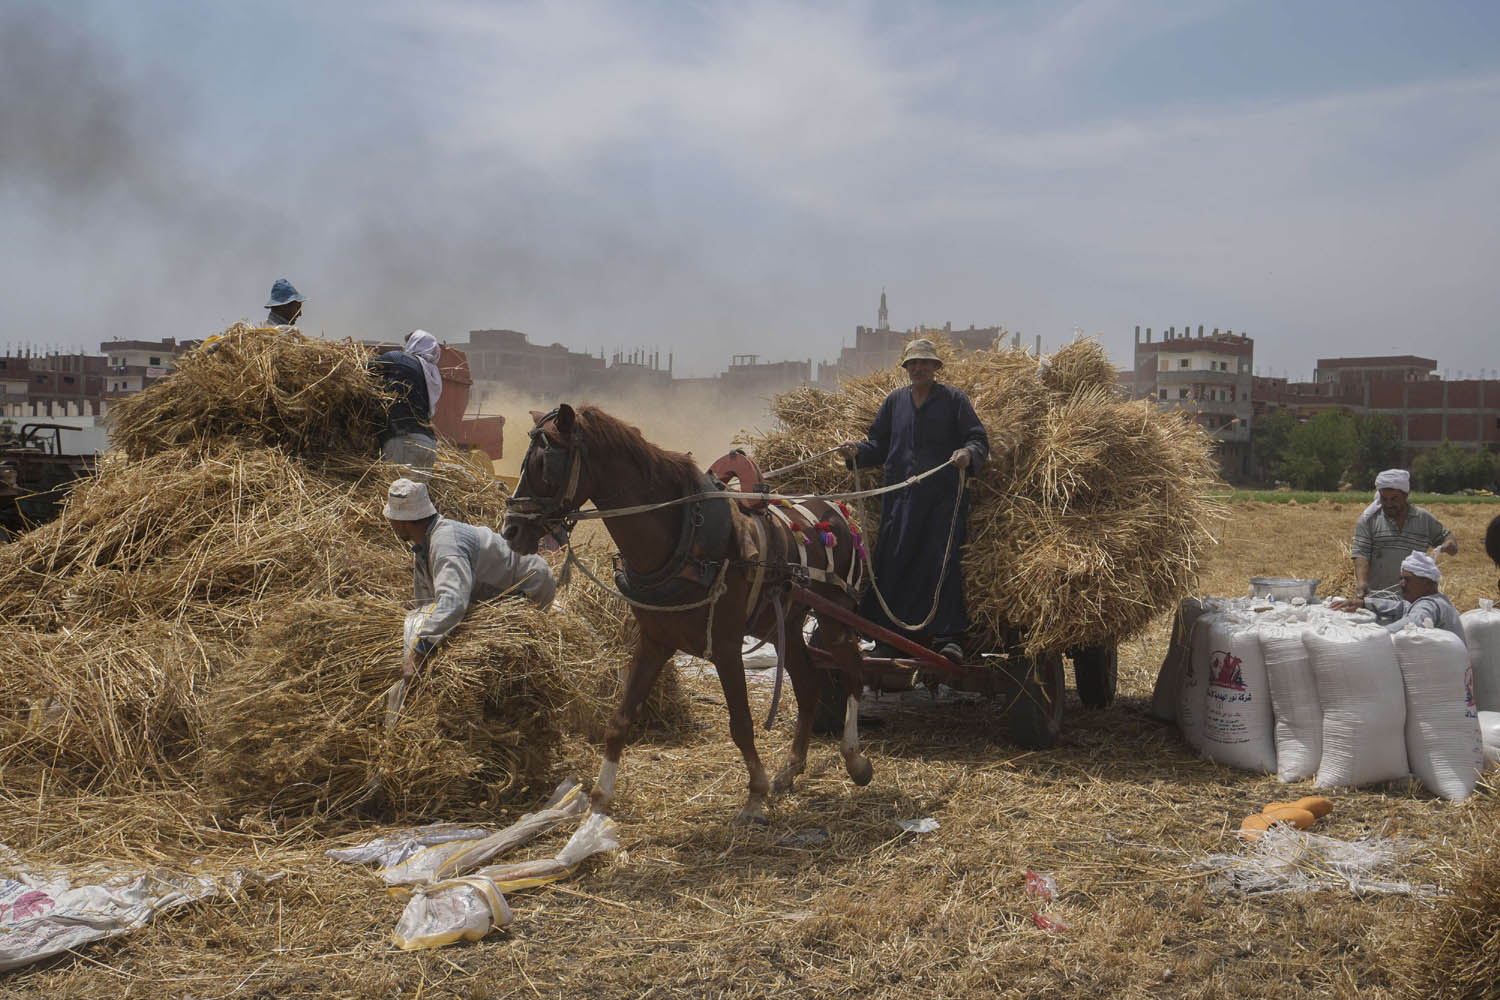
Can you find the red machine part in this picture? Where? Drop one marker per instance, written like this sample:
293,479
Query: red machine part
484,433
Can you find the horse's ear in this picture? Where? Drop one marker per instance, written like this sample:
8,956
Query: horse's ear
536,416
565,419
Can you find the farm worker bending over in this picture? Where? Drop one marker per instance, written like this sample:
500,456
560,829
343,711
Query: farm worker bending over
285,304
1389,529
1420,601
412,375
455,565
919,427
1492,543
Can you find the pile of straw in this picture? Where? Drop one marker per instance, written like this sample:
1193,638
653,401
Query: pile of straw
224,600
1455,955
302,711
265,386
1090,518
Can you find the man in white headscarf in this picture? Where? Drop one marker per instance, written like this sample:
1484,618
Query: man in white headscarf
1389,529
456,565
1420,601
411,374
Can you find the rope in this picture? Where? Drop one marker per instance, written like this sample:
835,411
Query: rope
937,594
594,513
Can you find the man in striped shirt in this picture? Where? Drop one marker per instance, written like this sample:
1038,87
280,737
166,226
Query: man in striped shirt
1389,530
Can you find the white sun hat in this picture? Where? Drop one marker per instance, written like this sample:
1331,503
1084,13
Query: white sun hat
408,501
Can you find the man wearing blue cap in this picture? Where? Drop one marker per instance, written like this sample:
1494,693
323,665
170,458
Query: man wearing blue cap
285,304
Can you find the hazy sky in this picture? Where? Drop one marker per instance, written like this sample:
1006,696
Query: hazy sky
740,177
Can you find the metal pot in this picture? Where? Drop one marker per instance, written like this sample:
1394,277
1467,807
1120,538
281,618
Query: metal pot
1283,588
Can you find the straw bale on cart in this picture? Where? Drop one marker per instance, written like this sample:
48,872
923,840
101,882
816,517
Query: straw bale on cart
1089,520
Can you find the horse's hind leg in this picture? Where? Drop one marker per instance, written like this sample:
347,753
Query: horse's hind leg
803,674
731,670
844,645
644,668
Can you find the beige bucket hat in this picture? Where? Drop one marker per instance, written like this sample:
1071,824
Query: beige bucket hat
921,349
408,501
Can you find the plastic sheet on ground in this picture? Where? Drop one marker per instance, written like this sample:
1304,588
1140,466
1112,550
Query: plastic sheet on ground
1284,859
439,851
467,908
41,916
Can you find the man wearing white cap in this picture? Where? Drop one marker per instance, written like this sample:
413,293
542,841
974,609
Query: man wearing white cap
918,428
1420,601
1389,529
455,565
411,374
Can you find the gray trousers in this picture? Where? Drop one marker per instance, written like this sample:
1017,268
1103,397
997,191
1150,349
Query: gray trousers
415,451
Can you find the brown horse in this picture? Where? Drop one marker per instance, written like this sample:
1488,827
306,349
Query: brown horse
701,576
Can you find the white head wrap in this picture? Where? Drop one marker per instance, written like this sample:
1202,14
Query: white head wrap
424,347
1421,564
1390,479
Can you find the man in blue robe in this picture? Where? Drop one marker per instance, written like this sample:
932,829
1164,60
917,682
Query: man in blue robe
919,427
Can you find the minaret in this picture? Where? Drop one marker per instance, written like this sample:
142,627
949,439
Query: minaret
884,317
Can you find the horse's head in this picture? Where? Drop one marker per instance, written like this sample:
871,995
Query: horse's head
553,483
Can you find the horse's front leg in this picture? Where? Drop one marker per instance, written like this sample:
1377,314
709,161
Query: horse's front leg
730,666
646,666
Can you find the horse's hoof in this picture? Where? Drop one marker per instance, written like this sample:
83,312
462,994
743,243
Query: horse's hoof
860,769
786,780
752,819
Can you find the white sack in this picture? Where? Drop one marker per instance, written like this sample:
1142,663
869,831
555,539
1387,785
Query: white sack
1489,731
1192,687
1179,648
1237,716
1364,705
1294,697
1482,629
1442,726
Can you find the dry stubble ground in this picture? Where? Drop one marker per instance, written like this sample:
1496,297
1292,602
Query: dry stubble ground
697,907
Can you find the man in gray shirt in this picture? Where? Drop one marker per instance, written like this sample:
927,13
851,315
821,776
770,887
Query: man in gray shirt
455,565
1420,601
1388,530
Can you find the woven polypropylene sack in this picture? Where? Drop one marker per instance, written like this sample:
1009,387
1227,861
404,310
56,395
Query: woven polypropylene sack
1489,732
1482,629
1192,685
1442,726
1179,648
1238,723
1294,698
1364,705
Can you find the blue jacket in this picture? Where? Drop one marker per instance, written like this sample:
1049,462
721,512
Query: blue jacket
402,374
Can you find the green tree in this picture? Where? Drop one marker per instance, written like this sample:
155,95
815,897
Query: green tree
1318,451
1449,469
1268,441
1378,448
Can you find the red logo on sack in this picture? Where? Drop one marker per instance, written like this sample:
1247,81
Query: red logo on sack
28,905
1224,671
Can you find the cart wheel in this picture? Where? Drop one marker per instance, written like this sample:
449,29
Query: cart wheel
1095,672
1035,711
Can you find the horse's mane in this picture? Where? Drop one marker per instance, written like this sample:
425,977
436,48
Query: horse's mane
606,434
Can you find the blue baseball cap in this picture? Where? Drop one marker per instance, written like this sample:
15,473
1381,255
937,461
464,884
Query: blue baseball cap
283,293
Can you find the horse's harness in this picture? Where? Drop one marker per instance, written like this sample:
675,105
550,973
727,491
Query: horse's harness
702,553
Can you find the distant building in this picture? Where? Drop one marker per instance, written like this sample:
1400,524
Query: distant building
1425,409
880,347
43,387
1209,376
134,364
507,357
748,377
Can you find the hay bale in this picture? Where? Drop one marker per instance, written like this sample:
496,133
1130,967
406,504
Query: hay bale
264,386
1455,954
297,724
1081,365
1088,521
101,710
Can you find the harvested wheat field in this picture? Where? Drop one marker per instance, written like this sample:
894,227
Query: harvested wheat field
833,899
